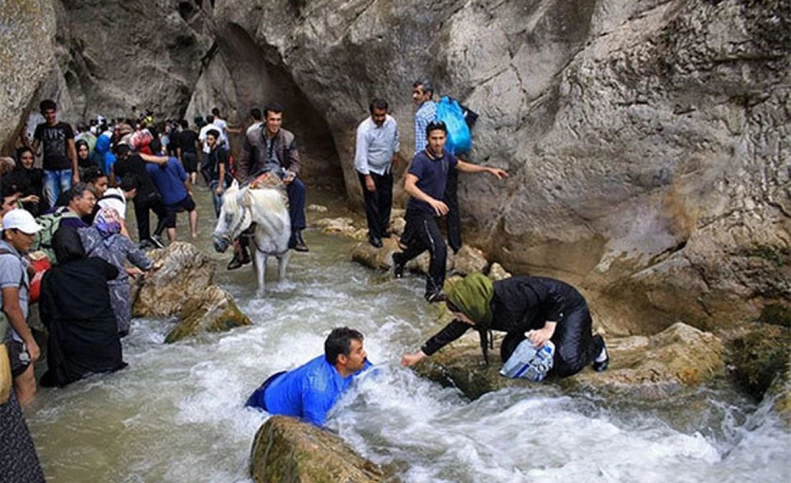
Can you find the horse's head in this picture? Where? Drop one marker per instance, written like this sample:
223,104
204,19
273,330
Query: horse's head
234,217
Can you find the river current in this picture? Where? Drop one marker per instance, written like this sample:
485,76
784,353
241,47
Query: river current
175,414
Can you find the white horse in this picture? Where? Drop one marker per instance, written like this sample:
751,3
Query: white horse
267,208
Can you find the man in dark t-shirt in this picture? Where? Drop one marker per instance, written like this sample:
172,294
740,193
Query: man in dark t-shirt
131,167
425,183
59,154
187,151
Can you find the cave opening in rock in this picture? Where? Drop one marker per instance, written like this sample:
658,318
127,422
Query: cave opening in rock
241,76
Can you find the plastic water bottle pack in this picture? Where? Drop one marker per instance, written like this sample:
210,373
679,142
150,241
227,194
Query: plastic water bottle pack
529,362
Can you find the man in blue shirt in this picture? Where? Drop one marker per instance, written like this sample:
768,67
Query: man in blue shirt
311,390
425,183
174,187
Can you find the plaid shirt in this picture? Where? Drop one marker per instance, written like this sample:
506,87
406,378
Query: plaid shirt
426,113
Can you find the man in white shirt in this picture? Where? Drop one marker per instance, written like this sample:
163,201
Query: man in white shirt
223,143
376,151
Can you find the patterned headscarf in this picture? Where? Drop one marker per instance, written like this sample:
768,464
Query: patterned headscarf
108,222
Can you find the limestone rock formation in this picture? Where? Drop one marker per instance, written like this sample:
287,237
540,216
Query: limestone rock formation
376,258
647,368
643,138
214,310
469,260
26,58
287,450
186,273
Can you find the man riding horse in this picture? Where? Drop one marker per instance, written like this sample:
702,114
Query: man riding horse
272,149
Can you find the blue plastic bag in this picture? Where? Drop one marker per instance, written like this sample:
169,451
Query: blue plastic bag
459,136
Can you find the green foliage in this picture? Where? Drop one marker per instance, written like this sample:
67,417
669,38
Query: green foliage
776,314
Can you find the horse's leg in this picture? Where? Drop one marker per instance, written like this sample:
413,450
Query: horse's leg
282,264
260,267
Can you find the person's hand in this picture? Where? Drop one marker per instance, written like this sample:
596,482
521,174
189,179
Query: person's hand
539,337
498,172
75,178
439,207
30,199
409,360
33,350
133,271
290,176
218,190
369,183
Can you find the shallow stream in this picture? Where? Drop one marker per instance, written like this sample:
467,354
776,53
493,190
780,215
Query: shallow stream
175,414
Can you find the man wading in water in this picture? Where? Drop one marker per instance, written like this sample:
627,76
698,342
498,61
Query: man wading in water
309,391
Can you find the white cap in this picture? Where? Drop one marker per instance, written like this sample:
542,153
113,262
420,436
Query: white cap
114,198
21,220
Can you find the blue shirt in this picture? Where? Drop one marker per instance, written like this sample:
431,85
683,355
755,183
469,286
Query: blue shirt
169,180
308,392
376,146
426,113
432,173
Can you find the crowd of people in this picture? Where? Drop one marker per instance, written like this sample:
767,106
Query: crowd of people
73,210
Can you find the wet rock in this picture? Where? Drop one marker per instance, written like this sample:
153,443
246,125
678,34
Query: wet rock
376,258
288,450
758,355
336,226
397,213
421,263
648,368
317,209
397,225
469,260
186,273
214,310
497,272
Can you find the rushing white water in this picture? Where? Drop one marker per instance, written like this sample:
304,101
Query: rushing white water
175,414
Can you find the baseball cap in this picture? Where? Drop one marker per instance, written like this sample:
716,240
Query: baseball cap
21,220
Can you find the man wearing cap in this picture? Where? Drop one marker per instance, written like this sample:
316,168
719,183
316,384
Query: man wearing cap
19,230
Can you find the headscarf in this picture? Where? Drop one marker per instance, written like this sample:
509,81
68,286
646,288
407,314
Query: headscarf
107,222
87,162
67,245
473,297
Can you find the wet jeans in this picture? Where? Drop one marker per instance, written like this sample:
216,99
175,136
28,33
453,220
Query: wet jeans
56,182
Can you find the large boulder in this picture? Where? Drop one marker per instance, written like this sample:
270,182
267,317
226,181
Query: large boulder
649,368
469,260
377,258
186,273
288,450
27,57
214,310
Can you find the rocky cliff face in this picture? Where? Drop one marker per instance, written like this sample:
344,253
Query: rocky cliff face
645,139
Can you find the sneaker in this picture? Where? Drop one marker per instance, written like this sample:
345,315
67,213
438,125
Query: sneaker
436,297
398,265
157,241
602,366
146,245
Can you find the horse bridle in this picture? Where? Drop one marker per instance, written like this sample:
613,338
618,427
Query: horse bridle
246,206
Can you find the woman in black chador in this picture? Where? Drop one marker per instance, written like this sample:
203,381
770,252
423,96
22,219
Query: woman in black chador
537,308
75,307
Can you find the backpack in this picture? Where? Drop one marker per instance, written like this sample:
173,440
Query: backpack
49,225
459,136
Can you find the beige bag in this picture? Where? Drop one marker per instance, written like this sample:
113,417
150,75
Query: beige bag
5,375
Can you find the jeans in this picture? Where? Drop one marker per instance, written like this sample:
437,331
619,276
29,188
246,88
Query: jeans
56,182
217,199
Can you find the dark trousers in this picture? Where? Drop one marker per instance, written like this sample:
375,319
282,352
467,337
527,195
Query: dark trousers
453,216
296,205
379,203
575,345
420,234
143,221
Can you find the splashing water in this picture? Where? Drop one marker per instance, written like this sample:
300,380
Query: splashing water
175,414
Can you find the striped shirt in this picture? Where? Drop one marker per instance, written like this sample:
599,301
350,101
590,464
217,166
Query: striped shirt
426,113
